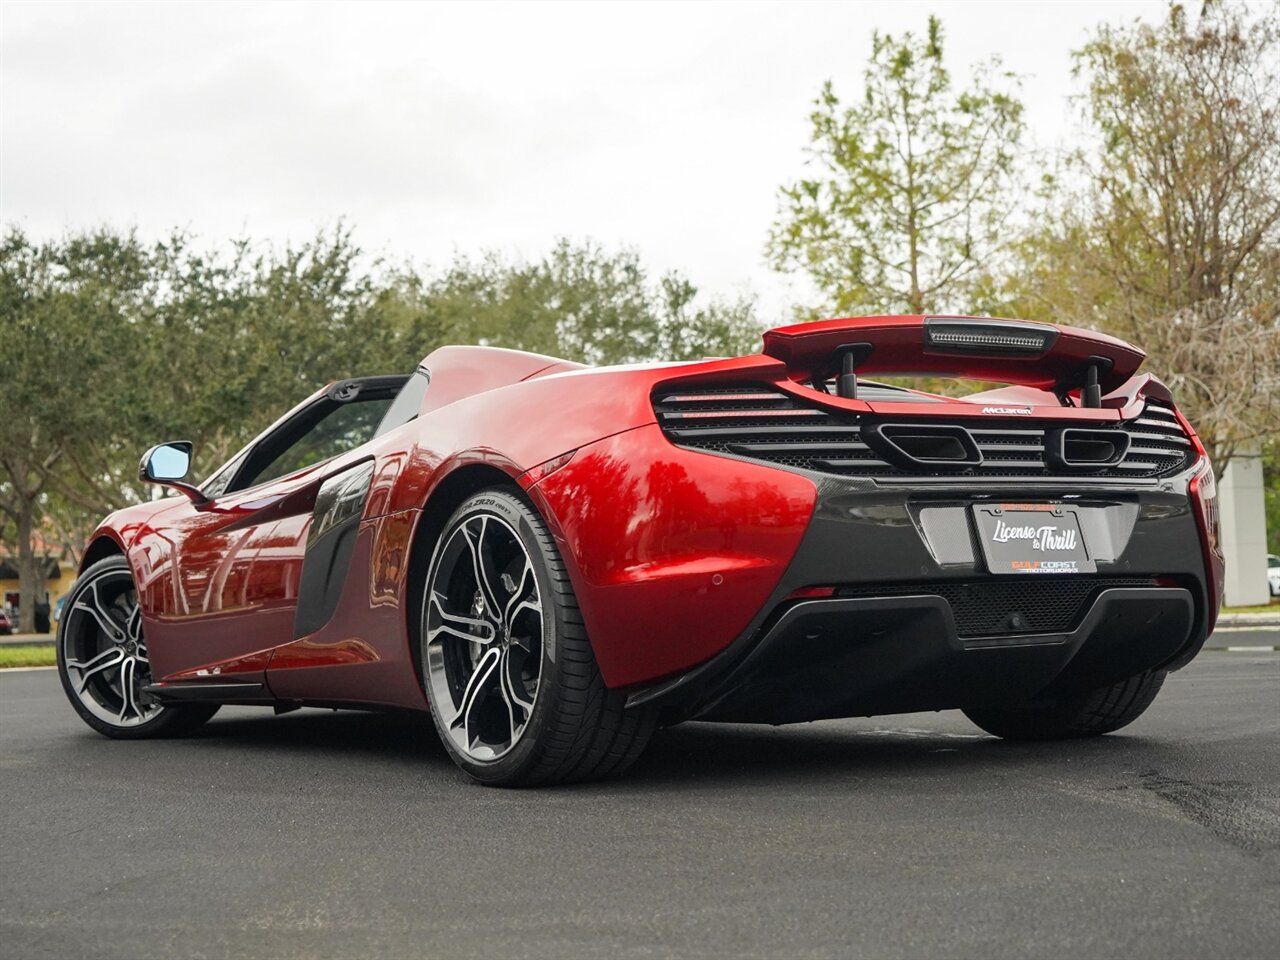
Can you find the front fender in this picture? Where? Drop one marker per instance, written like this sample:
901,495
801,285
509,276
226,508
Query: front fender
124,527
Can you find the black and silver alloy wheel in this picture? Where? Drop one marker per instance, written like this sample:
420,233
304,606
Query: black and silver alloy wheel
104,653
103,660
483,633
515,692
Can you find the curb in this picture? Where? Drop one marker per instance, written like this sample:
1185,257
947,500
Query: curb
27,640
1249,619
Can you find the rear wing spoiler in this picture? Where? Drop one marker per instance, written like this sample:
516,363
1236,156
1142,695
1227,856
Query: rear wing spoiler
1042,355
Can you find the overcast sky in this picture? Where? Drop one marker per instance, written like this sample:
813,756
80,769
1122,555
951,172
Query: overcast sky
441,127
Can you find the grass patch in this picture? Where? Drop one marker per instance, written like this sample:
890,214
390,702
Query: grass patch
1272,607
28,657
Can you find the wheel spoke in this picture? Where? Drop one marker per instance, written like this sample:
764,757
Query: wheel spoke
134,626
128,699
526,605
476,692
513,688
95,665
526,577
478,565
99,612
456,625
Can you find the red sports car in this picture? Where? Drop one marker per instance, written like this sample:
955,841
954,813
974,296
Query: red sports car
554,560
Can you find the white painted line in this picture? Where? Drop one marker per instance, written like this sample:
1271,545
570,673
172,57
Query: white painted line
1252,649
4,670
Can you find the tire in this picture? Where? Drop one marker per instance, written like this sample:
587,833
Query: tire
515,693
1088,714
102,660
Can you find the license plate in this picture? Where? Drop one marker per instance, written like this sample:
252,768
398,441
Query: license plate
1032,538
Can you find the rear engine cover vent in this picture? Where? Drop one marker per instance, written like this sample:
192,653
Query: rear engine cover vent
762,423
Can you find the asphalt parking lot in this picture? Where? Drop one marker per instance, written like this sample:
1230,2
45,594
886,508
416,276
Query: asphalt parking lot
319,834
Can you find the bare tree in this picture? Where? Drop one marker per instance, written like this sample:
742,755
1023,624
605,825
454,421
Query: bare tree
1164,227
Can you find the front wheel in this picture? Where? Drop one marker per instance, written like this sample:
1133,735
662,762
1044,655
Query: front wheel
1088,714
515,692
103,661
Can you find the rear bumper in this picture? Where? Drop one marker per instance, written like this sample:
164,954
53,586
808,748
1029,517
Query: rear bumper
876,655
890,639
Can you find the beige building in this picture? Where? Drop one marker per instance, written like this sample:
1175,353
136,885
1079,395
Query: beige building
60,574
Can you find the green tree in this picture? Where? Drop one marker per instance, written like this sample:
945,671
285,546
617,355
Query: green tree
64,374
112,345
584,303
263,327
1164,227
910,191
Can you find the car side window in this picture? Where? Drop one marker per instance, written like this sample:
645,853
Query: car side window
407,403
345,427
347,416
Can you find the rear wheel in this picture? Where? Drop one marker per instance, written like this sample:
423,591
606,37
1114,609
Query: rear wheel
103,660
515,692
1087,714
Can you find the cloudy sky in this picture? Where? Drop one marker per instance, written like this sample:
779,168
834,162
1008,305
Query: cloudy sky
436,128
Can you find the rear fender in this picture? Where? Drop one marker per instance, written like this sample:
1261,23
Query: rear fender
671,552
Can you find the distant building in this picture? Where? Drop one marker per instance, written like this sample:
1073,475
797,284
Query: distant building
59,575
1244,530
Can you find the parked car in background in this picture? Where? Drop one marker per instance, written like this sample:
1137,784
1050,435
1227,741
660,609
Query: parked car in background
6,625
1273,574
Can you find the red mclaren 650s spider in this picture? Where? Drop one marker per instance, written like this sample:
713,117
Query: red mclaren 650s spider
554,560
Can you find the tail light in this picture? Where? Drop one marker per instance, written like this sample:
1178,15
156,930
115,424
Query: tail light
944,335
1204,494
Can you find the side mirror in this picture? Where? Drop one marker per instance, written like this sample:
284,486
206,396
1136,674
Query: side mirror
168,464
165,462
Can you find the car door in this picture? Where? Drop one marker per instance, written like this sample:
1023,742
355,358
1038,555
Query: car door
234,566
